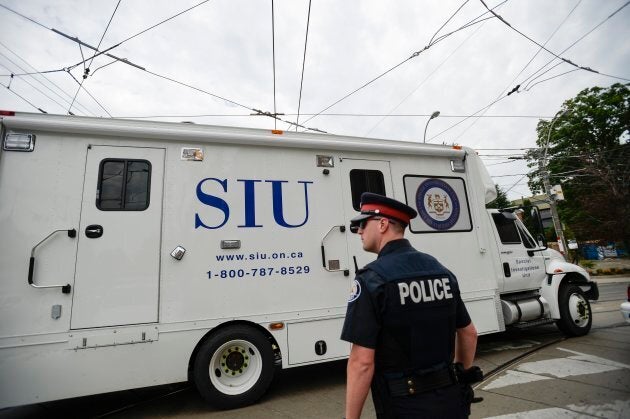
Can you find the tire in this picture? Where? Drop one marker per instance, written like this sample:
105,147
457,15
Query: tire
576,316
234,367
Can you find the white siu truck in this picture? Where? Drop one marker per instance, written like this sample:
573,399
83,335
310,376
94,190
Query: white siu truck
139,253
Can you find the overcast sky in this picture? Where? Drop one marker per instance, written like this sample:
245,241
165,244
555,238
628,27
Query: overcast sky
225,48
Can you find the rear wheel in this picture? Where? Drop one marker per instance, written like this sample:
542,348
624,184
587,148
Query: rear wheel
234,367
575,311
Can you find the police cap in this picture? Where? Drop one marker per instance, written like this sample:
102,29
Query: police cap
378,205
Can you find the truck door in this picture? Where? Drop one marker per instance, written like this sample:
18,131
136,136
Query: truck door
360,176
521,271
117,271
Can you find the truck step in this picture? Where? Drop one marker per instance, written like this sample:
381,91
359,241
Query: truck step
532,323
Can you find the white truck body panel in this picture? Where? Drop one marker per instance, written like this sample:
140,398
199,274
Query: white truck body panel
134,315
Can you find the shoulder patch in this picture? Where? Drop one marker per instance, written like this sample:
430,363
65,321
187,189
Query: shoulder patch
355,292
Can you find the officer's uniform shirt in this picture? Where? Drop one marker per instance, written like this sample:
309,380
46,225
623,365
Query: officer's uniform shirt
406,306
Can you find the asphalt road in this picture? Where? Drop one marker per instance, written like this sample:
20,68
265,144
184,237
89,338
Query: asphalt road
318,391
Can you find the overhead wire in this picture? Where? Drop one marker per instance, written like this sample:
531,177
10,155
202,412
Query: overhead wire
17,65
522,83
522,70
546,49
137,34
308,20
503,162
412,56
67,69
104,52
86,69
75,39
529,87
257,112
273,53
515,183
424,80
81,87
572,45
448,20
26,100
37,89
344,115
25,17
105,31
466,118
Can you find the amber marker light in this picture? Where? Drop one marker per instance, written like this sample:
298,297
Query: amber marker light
277,131
276,326
457,147
558,271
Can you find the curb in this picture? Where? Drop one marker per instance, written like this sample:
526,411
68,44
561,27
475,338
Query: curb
611,279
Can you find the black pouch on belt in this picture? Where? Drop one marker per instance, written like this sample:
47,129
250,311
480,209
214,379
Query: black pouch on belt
419,383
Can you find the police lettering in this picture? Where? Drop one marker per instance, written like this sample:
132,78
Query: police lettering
425,290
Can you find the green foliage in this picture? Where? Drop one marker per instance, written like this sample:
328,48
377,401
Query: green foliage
550,234
501,201
587,264
589,155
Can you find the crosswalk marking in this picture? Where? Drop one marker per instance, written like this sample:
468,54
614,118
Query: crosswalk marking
578,364
616,409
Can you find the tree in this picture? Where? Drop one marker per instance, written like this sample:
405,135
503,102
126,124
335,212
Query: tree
589,155
501,201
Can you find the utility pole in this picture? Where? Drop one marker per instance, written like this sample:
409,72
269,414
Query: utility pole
544,172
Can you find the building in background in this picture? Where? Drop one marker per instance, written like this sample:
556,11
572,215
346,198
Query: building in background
541,201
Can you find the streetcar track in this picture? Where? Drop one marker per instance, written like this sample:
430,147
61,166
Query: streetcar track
502,367
499,369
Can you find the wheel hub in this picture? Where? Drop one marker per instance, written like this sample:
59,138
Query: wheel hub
579,310
234,360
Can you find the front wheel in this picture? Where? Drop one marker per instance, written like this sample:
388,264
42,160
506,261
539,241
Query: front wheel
234,367
575,311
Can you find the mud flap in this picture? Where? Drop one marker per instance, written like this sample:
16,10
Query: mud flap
593,293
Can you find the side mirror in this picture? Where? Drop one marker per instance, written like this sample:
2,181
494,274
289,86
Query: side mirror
540,239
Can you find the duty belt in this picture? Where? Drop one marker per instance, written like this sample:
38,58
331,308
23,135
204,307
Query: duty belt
415,383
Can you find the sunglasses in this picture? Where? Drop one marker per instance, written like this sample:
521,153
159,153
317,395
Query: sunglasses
363,223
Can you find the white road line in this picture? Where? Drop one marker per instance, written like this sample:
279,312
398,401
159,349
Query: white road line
551,413
578,364
565,367
615,410
512,378
595,359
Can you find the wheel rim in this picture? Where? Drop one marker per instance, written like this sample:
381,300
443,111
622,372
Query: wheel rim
579,310
235,367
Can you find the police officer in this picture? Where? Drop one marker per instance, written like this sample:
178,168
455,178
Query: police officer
406,322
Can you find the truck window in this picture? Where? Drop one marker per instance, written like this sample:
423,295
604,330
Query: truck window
365,181
507,229
527,239
123,185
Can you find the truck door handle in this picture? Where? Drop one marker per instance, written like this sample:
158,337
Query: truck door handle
94,231
506,270
72,233
333,265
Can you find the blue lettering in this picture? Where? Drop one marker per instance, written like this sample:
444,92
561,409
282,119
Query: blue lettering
278,213
212,201
250,203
